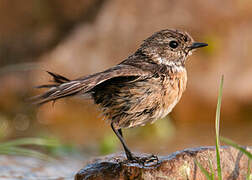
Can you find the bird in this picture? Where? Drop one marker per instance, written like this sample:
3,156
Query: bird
144,87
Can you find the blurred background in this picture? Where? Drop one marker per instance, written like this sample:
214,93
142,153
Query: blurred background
76,38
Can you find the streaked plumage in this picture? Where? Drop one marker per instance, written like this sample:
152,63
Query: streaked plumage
143,88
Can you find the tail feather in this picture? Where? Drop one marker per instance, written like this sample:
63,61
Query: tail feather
58,78
62,87
46,86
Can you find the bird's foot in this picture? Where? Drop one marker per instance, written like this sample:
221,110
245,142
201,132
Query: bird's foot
145,161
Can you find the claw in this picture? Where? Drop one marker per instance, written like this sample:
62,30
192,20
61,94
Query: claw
144,160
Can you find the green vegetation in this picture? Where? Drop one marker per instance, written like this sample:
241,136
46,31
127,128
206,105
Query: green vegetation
210,176
25,147
217,128
13,147
108,144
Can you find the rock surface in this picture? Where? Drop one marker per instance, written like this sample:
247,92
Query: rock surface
179,165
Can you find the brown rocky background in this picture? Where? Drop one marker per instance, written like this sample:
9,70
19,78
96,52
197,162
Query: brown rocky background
74,38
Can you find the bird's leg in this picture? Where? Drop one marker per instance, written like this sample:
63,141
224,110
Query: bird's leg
118,133
130,157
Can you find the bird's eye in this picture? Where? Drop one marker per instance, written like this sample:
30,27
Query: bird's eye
173,44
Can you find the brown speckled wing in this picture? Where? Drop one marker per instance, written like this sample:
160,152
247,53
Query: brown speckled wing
85,84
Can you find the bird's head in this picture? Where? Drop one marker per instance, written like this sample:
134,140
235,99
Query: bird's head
170,46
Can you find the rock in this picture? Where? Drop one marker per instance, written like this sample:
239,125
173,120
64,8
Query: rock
179,165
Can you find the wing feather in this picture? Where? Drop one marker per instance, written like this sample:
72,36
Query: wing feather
64,87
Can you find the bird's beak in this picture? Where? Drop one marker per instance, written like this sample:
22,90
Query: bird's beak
197,45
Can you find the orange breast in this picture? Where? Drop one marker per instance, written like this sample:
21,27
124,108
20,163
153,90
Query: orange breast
173,90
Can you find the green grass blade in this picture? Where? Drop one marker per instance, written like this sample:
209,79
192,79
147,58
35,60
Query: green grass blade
218,161
233,144
30,141
218,108
203,170
12,150
249,174
211,168
217,128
